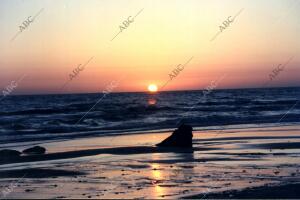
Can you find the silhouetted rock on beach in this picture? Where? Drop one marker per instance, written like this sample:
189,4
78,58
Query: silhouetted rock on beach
35,150
9,154
181,137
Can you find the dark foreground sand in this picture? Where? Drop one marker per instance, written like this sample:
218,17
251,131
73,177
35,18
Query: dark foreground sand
239,163
289,191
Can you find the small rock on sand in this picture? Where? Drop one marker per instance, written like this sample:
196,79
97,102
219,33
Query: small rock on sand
37,150
276,172
8,154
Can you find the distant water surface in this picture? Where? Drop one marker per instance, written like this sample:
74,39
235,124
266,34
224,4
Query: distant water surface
44,117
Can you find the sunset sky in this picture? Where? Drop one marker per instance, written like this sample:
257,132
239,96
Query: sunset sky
165,34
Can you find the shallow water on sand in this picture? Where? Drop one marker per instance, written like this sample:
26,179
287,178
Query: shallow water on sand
234,159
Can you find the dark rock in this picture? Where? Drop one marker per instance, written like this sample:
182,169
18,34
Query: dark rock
34,150
181,137
9,154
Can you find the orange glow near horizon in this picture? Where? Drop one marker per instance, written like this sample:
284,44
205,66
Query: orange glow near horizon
164,35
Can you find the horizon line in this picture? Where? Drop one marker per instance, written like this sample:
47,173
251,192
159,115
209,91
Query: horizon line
165,91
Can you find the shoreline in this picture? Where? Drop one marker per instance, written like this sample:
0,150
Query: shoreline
130,166
51,139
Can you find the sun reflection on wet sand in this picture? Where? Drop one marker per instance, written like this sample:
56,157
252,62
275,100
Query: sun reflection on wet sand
236,160
157,176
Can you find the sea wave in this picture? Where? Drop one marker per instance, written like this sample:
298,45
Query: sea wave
42,117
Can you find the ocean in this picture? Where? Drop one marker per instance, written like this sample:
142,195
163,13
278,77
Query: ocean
48,117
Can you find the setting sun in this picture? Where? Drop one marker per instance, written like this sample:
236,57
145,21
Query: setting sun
152,88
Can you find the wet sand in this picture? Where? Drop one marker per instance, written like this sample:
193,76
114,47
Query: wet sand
288,191
221,165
